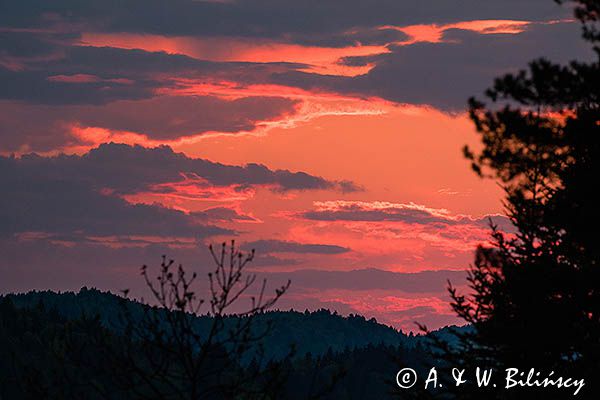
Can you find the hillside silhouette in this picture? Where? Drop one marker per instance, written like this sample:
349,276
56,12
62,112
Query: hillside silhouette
51,349
314,332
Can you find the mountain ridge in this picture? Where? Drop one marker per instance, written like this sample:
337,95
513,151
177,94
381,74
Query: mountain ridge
314,332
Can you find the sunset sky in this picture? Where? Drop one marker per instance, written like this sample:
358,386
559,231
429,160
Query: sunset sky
325,134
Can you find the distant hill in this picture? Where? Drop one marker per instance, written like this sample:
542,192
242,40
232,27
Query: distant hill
61,345
310,332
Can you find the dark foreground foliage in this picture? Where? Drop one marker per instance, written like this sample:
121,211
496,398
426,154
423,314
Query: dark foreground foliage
535,294
94,345
45,355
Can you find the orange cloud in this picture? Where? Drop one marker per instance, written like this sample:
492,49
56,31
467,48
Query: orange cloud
314,104
192,193
319,60
434,33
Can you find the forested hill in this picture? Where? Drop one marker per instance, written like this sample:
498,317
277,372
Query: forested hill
57,343
311,332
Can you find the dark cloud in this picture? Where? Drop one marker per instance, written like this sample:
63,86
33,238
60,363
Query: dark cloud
136,64
40,183
42,264
264,18
371,279
410,214
122,74
45,38
31,57
79,195
279,246
446,74
46,264
222,214
150,166
171,117
48,86
31,45
46,127
269,260
39,202
371,36
36,87
358,213
440,74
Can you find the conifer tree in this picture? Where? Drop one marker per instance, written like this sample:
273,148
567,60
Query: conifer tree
534,296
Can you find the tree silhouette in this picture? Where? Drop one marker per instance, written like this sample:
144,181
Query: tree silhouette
535,293
207,361
163,350
96,345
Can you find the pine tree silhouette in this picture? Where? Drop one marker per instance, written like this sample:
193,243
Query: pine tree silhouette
535,294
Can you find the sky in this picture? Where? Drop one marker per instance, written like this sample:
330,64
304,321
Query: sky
325,134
